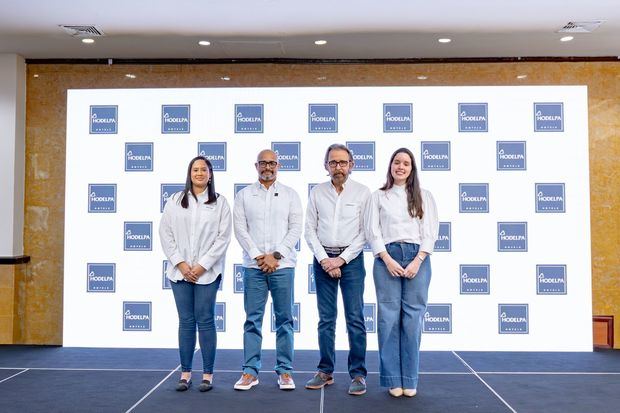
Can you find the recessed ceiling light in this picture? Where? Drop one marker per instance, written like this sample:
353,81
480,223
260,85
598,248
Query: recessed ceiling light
566,38
130,76
444,40
88,41
521,76
225,78
320,42
321,78
422,77
35,75
204,43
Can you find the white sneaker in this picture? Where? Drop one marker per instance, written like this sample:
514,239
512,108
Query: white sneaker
285,381
395,391
410,392
246,382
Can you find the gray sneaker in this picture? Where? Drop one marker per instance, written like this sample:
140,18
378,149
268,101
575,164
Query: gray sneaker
358,386
319,380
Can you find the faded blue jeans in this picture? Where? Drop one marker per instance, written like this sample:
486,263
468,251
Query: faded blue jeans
257,285
196,308
401,305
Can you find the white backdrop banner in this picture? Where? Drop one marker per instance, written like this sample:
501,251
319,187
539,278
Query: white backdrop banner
508,167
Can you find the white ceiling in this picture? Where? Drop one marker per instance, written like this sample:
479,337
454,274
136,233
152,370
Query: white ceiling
354,29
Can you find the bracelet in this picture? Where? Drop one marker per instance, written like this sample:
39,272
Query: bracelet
420,258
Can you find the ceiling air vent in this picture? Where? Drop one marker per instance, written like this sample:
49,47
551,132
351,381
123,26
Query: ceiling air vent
82,30
581,27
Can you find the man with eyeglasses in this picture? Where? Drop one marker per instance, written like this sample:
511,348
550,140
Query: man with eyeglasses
267,219
335,234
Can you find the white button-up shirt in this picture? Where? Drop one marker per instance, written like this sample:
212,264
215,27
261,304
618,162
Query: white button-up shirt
268,220
388,220
336,220
198,234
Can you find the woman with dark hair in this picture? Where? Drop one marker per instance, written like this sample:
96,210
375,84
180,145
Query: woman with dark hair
195,231
402,227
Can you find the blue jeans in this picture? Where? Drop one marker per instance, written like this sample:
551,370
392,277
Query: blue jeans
256,285
401,305
196,307
352,289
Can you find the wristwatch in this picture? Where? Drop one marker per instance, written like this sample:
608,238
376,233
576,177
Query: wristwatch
277,255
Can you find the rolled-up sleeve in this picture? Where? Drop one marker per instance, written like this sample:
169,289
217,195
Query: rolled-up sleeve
166,234
372,224
429,224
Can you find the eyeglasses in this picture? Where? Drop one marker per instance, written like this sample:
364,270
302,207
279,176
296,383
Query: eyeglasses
342,164
271,164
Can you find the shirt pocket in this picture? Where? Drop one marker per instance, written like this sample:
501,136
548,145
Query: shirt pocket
350,210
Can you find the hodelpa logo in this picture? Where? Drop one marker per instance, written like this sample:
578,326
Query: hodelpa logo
437,319
165,281
215,152
322,118
473,117
220,317
473,198
289,155
103,120
138,236
139,156
363,155
370,318
298,245
397,117
136,316
366,247
444,240
511,156
296,324
238,278
548,117
310,187
435,156
167,190
248,118
239,187
475,279
511,236
551,279
175,118
311,280
101,198
513,318
101,277
550,198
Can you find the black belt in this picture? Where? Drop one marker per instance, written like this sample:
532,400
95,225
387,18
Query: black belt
334,250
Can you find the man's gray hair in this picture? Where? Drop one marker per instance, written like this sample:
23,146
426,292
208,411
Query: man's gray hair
337,146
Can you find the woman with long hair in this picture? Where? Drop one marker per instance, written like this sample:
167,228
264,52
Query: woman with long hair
402,227
195,231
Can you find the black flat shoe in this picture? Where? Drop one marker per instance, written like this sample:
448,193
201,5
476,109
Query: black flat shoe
183,385
205,386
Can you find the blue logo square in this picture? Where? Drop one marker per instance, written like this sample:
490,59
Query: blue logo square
101,198
367,247
175,119
167,190
139,156
310,186
473,117
289,155
363,155
551,279
138,236
165,281
548,117
511,156
296,315
136,316
298,245
444,241
550,198
311,280
220,317
248,118
397,117
215,152
103,120
511,236
238,278
437,319
475,279
239,187
473,198
435,156
101,277
513,318
322,118
370,317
